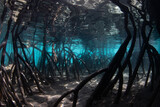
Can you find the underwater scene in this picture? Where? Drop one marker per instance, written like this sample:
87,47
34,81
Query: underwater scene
79,53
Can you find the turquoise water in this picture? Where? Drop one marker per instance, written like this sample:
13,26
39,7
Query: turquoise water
110,47
156,44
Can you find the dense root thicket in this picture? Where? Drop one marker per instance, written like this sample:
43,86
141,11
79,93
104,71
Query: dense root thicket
114,72
23,72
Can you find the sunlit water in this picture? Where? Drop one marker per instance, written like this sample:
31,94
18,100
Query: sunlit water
111,46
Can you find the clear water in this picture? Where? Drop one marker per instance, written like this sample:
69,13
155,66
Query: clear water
108,48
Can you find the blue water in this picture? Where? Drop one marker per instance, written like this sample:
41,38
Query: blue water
110,47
